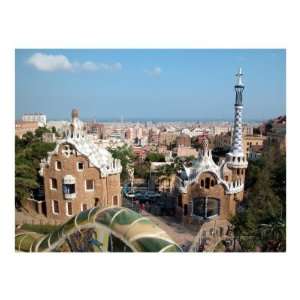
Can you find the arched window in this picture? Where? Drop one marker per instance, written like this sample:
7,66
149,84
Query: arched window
212,182
207,182
202,183
238,171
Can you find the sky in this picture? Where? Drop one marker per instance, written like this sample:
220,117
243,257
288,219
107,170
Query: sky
149,84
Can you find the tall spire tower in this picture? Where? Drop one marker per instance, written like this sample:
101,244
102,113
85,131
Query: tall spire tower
236,154
237,146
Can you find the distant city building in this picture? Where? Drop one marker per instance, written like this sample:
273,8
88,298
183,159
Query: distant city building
183,140
218,130
247,130
167,138
252,140
78,175
40,118
222,140
153,136
22,127
140,152
276,132
49,137
96,129
182,151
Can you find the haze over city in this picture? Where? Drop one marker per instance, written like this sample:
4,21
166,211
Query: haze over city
149,84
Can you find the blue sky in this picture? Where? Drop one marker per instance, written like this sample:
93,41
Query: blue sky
149,84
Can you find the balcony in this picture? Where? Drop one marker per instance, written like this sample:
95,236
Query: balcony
70,196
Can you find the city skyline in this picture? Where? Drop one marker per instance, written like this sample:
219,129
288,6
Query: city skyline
153,85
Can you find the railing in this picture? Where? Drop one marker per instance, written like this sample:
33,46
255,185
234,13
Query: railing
210,234
70,196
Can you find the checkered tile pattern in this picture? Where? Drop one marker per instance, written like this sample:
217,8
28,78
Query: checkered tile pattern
237,142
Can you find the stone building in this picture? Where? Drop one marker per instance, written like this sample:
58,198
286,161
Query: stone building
208,191
167,138
183,140
79,174
250,141
22,127
96,129
40,118
182,151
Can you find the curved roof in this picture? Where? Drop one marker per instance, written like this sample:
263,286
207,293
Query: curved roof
97,156
136,231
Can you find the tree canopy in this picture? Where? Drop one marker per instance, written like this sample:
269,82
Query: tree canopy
29,150
126,156
260,223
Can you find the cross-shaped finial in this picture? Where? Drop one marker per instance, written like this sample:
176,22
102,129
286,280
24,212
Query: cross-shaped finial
239,77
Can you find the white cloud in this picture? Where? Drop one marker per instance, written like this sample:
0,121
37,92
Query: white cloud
154,72
89,66
51,63
110,67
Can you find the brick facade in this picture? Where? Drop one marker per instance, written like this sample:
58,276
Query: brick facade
105,189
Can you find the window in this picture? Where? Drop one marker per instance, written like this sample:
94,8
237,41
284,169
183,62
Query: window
226,178
80,166
84,207
115,200
55,207
202,183
97,201
238,171
53,184
69,188
212,182
89,185
207,181
242,171
68,150
206,207
58,165
69,208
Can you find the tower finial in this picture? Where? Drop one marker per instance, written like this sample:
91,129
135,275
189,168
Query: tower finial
239,77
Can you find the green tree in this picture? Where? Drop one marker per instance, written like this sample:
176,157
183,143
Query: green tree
40,131
29,152
155,157
261,221
126,156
